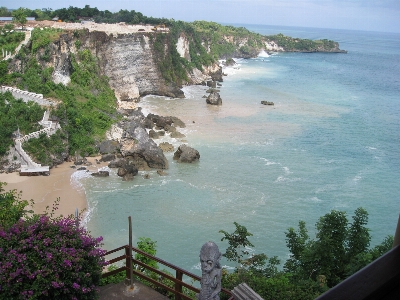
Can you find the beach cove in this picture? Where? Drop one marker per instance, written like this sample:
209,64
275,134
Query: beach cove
329,142
45,190
324,145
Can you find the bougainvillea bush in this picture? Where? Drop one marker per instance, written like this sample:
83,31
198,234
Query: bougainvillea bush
45,258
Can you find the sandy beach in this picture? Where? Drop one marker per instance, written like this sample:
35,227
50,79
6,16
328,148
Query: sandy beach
44,190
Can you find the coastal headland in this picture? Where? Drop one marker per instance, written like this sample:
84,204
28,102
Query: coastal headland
106,69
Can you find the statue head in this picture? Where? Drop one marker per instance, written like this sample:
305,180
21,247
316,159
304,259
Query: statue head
209,257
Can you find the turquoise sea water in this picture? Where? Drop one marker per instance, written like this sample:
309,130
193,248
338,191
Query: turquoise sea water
331,141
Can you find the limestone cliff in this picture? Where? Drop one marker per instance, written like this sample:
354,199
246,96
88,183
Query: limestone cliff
126,59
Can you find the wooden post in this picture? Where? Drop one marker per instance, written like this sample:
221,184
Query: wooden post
396,239
130,253
178,286
127,262
76,218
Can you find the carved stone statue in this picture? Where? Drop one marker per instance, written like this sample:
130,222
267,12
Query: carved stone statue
210,272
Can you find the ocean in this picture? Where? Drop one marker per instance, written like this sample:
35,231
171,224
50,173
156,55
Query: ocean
331,141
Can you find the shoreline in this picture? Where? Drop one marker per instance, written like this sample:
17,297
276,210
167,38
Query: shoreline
44,190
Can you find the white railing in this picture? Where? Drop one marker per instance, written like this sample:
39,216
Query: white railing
50,128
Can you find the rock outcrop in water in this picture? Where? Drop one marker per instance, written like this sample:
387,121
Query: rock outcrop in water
214,98
186,154
138,147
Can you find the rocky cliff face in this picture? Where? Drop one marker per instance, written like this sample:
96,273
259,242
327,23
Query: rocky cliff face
126,59
128,62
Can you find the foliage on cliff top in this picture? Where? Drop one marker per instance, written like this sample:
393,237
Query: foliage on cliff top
16,114
227,41
306,45
10,39
43,37
88,104
44,149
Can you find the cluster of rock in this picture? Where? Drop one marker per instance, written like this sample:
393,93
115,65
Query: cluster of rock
134,149
214,97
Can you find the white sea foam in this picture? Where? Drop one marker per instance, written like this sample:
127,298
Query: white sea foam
287,170
315,199
268,162
263,54
286,179
357,178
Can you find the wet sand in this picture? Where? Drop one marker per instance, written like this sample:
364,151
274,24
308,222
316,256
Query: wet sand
44,190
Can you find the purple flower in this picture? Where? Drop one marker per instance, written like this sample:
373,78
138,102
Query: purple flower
76,286
67,263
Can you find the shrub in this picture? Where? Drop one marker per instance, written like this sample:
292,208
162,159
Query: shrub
44,258
12,208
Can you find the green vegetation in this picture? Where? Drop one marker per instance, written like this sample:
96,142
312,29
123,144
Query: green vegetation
10,39
340,249
4,12
88,105
12,207
43,37
42,257
43,148
172,67
225,41
19,16
305,45
14,115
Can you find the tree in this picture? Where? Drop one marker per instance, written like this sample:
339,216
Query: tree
12,208
150,247
4,12
238,242
19,16
45,258
339,250
42,257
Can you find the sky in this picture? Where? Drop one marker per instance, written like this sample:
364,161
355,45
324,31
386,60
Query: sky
368,15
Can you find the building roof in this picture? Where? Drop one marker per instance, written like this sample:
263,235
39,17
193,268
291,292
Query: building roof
9,19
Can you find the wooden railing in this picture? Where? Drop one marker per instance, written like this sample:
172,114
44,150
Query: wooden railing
129,269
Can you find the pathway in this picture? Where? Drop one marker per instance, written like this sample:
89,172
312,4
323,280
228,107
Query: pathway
49,128
28,35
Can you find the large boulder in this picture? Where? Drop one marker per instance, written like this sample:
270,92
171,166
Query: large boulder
177,135
107,157
107,147
177,122
101,174
186,154
170,128
126,167
137,145
117,163
214,99
211,84
166,147
162,122
153,134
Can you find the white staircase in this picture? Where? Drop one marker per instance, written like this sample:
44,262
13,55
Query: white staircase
49,128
